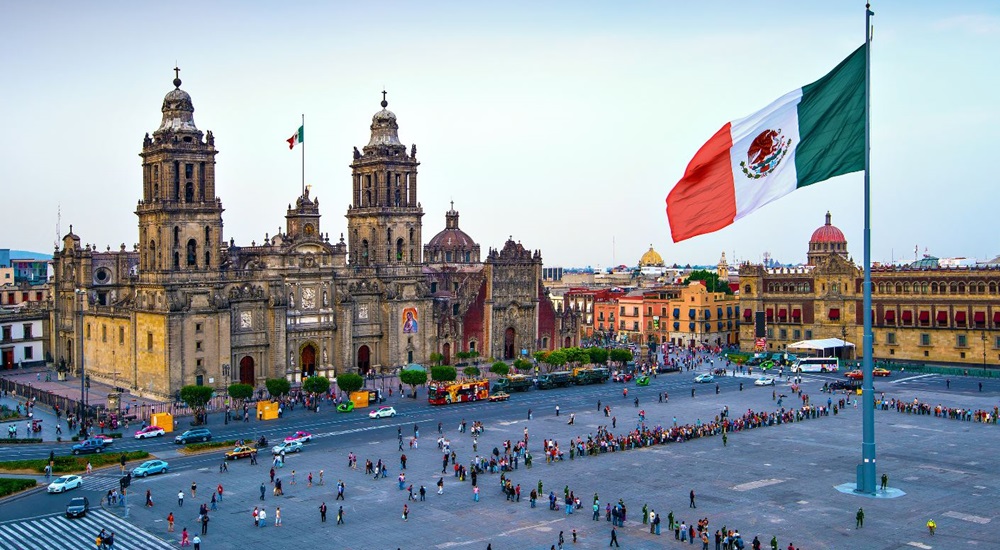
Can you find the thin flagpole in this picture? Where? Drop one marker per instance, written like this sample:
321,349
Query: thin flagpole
303,153
866,470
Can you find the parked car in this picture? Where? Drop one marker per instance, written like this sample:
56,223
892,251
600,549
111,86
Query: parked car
704,378
240,451
301,437
287,447
382,412
65,483
150,431
764,381
197,434
150,467
77,507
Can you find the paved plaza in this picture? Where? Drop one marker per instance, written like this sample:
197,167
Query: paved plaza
773,481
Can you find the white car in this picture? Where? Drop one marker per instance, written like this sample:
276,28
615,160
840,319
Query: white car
150,431
382,412
286,446
764,381
704,378
65,483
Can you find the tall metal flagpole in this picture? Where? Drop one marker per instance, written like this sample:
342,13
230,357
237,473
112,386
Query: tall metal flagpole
303,143
866,470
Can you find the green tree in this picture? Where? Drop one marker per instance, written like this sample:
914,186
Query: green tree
443,373
435,358
197,397
598,355
413,378
277,386
555,359
540,355
576,356
350,382
316,385
619,355
462,356
471,372
474,355
712,282
499,368
240,391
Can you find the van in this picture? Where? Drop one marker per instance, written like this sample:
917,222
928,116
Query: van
816,364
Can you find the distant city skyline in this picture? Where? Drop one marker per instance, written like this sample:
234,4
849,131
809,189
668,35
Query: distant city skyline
561,125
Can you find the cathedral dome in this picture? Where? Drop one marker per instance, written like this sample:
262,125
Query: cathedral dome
452,244
651,258
384,127
828,233
178,111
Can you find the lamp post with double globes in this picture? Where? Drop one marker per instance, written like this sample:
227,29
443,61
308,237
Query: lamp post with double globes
81,295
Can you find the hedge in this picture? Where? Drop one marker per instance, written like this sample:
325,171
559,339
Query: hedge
11,485
208,445
72,464
20,440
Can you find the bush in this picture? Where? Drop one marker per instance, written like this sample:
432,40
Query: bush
11,485
20,441
207,445
71,464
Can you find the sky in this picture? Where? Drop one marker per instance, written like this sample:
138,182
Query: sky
561,124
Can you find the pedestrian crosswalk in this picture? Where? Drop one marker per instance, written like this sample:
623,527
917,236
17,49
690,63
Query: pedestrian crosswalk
57,532
102,483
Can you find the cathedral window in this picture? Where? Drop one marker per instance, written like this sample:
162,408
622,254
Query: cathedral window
188,171
177,260
189,192
208,233
454,309
121,336
156,175
192,250
208,258
447,256
434,288
156,191
399,250
177,236
364,251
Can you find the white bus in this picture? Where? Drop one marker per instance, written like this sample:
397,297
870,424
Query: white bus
816,364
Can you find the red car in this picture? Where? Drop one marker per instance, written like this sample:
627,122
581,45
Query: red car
301,437
855,375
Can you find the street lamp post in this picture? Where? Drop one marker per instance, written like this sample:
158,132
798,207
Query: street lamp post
984,350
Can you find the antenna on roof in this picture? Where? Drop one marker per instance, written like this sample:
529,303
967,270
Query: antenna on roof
58,223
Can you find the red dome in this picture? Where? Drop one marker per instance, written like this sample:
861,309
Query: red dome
828,233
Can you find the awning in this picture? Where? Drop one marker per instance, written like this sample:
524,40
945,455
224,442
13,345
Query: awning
708,314
960,317
834,314
770,313
782,313
691,313
677,313
942,317
747,314
720,313
677,326
890,315
907,316
925,316
729,311
721,325
796,313
996,318
691,326
822,344
415,366
979,316
729,324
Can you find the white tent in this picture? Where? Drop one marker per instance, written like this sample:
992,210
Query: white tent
822,344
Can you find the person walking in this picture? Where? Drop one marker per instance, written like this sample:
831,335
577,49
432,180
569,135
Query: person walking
931,526
197,542
561,540
204,524
149,499
219,491
322,512
406,512
194,488
262,518
180,498
614,538
170,522
277,516
215,505
692,504
262,491
557,410
885,481
440,486
860,519
340,515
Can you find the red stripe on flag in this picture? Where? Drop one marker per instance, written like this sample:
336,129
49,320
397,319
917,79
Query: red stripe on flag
704,200
291,141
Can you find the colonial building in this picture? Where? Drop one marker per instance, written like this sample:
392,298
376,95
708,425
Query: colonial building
921,312
186,306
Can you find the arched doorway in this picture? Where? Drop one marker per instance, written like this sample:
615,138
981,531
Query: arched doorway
247,371
568,342
364,360
446,352
508,343
307,360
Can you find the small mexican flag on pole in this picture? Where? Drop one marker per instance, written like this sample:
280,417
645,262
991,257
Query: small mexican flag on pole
298,137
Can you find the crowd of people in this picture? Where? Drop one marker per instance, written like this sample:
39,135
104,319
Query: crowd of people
915,406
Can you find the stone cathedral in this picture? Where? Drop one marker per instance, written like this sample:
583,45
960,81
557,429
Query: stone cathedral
187,306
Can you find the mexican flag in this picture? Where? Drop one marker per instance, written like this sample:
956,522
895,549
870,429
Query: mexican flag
806,136
298,137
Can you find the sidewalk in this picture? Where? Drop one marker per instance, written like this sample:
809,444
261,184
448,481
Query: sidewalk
97,394
45,414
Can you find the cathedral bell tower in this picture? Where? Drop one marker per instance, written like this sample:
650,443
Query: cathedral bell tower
384,219
180,218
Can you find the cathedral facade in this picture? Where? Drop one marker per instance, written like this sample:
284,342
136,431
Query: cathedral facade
186,306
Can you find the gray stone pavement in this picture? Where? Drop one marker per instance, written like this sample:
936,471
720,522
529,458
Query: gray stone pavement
775,481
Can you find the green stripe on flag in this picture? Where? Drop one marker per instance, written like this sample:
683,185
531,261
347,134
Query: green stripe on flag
302,134
832,123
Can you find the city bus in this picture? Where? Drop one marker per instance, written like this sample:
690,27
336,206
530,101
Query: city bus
816,364
444,393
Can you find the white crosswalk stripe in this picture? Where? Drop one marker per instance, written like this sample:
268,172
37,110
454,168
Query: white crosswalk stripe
57,532
100,483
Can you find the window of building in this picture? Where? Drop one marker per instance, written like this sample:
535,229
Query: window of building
996,342
649,325
29,352
472,345
198,363
622,325
809,335
24,296
890,338
197,327
622,312
454,309
434,288
199,380
961,341
38,296
149,341
600,326
197,346
104,333
454,287
925,339
783,334
635,325
88,331
797,334
121,336
770,333
27,331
